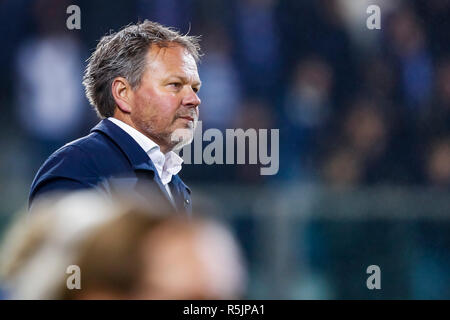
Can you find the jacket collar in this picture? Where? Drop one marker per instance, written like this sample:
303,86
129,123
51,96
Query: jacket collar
177,180
136,155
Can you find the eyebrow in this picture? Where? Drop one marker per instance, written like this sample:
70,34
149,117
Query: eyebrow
185,80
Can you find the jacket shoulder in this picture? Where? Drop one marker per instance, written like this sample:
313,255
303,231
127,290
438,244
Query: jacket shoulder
76,158
73,166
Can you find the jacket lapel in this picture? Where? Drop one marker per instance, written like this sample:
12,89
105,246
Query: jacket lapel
138,158
181,194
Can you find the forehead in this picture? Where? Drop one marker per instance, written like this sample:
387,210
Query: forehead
171,59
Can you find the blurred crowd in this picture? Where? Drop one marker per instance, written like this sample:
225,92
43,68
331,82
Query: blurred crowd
355,107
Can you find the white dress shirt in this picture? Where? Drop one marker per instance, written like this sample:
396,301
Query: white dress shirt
166,165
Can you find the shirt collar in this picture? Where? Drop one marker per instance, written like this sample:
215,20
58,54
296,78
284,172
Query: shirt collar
167,165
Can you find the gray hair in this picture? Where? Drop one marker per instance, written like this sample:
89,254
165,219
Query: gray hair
123,54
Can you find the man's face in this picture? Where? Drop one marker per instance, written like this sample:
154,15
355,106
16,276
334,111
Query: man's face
165,105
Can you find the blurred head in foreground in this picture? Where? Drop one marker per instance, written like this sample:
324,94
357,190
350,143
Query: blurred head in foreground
122,250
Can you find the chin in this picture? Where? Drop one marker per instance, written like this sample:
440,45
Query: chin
181,137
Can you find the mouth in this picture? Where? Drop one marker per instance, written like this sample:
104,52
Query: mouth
188,118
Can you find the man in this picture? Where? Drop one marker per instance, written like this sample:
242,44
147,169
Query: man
143,82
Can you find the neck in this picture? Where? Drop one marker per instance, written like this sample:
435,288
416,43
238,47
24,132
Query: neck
125,118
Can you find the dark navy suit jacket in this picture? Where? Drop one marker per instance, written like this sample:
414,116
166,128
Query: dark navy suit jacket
107,154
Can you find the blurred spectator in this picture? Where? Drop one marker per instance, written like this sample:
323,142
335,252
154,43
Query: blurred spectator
257,45
306,113
308,98
354,14
365,130
159,258
434,14
123,250
49,71
255,114
375,150
435,120
13,18
342,169
328,37
438,166
221,90
409,43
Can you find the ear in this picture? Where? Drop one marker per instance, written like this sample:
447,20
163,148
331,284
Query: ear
121,91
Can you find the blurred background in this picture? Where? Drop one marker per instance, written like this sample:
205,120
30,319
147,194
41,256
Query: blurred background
364,119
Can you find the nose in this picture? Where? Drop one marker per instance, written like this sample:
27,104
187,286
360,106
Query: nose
191,99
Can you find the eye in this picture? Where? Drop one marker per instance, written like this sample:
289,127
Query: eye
195,89
176,85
